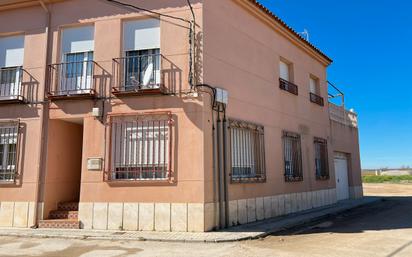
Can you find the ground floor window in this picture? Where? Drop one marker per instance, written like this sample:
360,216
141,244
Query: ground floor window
141,147
292,156
8,151
247,151
321,158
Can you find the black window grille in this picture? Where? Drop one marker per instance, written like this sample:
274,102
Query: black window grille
292,156
321,159
9,138
140,147
247,151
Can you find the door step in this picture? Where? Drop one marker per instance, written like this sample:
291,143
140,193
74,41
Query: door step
68,206
57,215
65,217
60,224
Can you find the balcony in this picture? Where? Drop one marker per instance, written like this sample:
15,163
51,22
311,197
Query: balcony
138,75
340,115
71,80
11,85
288,86
314,98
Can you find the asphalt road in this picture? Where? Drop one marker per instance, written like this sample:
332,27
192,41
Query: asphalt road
382,229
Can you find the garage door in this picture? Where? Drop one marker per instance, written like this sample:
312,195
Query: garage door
341,174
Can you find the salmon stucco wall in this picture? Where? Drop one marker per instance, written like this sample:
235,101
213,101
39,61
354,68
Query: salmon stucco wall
242,52
345,139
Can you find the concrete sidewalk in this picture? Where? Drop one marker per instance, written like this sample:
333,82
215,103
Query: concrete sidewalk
244,232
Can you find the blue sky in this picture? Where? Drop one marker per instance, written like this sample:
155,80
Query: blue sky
370,42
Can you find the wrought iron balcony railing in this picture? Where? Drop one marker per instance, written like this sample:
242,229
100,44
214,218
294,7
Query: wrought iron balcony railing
314,98
11,84
288,86
71,79
140,74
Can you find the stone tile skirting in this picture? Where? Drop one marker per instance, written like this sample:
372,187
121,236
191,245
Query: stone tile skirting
249,210
176,217
196,217
17,214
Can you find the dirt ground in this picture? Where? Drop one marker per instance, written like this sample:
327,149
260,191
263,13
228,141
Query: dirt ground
382,229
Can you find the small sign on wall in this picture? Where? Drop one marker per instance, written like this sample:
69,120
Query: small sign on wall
94,163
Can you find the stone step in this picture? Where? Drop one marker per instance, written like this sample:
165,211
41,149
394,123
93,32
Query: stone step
71,215
60,224
68,206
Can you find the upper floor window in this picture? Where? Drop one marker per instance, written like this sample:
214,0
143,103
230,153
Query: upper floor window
77,67
285,70
141,61
11,66
314,85
321,158
247,151
141,147
8,152
314,88
292,156
286,77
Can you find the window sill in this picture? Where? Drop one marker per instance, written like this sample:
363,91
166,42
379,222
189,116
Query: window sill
8,184
247,180
293,179
322,178
127,183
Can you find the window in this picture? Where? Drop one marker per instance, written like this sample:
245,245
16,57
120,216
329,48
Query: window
11,62
141,147
286,77
141,63
314,85
143,68
8,152
321,159
76,71
292,156
78,64
314,89
247,151
285,71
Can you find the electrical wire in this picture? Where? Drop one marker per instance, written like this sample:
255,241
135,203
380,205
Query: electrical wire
192,30
149,11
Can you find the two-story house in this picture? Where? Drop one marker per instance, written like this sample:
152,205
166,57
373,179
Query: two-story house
164,115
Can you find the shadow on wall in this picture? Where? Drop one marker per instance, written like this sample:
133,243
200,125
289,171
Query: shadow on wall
30,88
87,9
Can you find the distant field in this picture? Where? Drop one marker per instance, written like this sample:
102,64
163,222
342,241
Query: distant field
387,179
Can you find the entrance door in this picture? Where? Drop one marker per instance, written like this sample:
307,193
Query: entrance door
341,175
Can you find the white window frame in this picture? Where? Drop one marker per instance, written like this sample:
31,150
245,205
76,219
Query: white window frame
8,133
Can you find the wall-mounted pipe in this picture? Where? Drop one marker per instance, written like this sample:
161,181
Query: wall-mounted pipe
44,120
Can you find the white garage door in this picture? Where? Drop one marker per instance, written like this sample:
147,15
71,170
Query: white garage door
341,174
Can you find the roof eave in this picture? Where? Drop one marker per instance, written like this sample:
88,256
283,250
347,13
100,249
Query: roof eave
289,32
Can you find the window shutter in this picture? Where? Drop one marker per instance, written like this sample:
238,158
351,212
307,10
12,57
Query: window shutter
78,40
141,35
313,86
11,51
284,71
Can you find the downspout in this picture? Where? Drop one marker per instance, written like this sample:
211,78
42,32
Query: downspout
219,169
44,123
225,175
